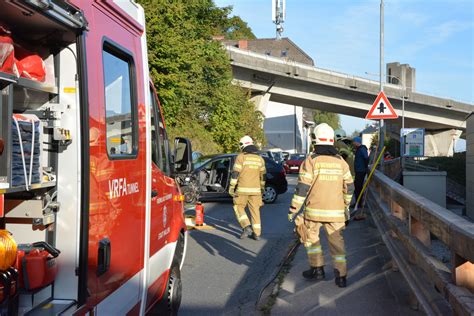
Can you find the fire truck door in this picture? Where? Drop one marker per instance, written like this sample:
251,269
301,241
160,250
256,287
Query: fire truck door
162,187
117,161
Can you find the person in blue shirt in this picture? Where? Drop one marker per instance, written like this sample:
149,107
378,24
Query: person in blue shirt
361,167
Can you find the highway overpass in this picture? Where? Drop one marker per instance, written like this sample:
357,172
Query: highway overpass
275,79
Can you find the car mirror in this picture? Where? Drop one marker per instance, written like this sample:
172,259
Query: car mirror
182,158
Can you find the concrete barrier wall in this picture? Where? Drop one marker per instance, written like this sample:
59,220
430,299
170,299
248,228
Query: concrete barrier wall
470,167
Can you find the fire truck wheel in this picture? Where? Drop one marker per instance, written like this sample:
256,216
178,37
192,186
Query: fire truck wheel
171,300
173,292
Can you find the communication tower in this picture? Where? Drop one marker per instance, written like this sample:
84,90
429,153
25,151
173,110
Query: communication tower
278,15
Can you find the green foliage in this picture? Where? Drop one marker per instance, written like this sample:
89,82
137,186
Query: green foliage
332,119
192,73
236,29
455,166
202,140
355,133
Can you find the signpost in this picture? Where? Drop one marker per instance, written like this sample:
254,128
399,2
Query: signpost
413,142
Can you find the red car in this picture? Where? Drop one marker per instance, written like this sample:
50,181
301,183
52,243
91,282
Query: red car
293,164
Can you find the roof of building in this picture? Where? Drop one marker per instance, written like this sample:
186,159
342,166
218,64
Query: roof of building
369,130
274,41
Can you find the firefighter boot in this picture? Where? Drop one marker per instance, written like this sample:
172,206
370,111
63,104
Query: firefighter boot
255,236
314,273
340,280
246,232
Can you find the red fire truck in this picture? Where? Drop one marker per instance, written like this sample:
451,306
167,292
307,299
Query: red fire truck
91,214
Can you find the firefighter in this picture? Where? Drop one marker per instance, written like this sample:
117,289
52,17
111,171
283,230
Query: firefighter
345,151
325,188
246,187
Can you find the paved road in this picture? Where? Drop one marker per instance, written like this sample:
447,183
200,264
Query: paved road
223,274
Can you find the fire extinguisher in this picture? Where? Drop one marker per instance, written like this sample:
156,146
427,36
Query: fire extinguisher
199,219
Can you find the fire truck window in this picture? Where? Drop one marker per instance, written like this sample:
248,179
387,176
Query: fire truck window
119,104
154,139
164,147
158,138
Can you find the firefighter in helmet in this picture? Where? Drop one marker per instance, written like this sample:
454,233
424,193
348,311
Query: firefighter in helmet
342,144
246,187
325,189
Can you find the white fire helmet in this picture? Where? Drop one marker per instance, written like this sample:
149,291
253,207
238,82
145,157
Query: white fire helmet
245,141
324,134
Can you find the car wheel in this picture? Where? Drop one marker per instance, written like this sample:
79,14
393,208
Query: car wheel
269,195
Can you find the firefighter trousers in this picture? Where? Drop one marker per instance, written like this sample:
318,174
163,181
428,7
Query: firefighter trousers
336,245
254,202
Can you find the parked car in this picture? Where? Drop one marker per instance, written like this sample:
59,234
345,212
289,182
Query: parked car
275,156
293,164
196,155
212,175
274,153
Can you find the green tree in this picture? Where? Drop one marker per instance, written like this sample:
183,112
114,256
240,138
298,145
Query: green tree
236,29
192,73
355,133
330,118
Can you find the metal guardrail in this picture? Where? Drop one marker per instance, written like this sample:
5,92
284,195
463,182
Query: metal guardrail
415,166
406,221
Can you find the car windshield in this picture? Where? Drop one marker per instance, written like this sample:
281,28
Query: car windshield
297,157
277,156
201,161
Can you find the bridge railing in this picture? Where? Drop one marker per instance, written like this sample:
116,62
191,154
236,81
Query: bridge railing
407,222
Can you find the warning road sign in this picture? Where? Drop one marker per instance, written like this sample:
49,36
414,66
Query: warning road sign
381,109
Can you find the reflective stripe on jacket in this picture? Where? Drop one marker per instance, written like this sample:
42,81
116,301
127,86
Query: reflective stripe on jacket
325,188
248,174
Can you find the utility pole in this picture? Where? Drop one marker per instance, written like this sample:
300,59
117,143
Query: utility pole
381,125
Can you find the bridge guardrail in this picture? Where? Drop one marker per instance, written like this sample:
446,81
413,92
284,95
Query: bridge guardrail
406,221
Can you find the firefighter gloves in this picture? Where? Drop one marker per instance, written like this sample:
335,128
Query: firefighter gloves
290,217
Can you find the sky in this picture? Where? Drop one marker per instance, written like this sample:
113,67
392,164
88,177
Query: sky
434,36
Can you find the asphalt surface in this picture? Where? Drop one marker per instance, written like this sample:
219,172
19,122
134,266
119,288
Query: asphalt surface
223,274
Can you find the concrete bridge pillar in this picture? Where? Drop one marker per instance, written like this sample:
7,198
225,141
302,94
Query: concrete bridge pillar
261,101
441,143
470,166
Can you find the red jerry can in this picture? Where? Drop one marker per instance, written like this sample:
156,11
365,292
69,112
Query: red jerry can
199,219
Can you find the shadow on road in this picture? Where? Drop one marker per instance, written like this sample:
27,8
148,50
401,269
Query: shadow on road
224,274
215,245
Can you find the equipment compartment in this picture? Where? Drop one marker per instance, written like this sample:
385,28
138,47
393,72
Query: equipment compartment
39,120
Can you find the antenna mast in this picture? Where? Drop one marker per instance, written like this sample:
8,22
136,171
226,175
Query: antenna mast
278,15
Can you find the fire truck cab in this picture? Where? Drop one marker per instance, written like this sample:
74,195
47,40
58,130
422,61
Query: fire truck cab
88,190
